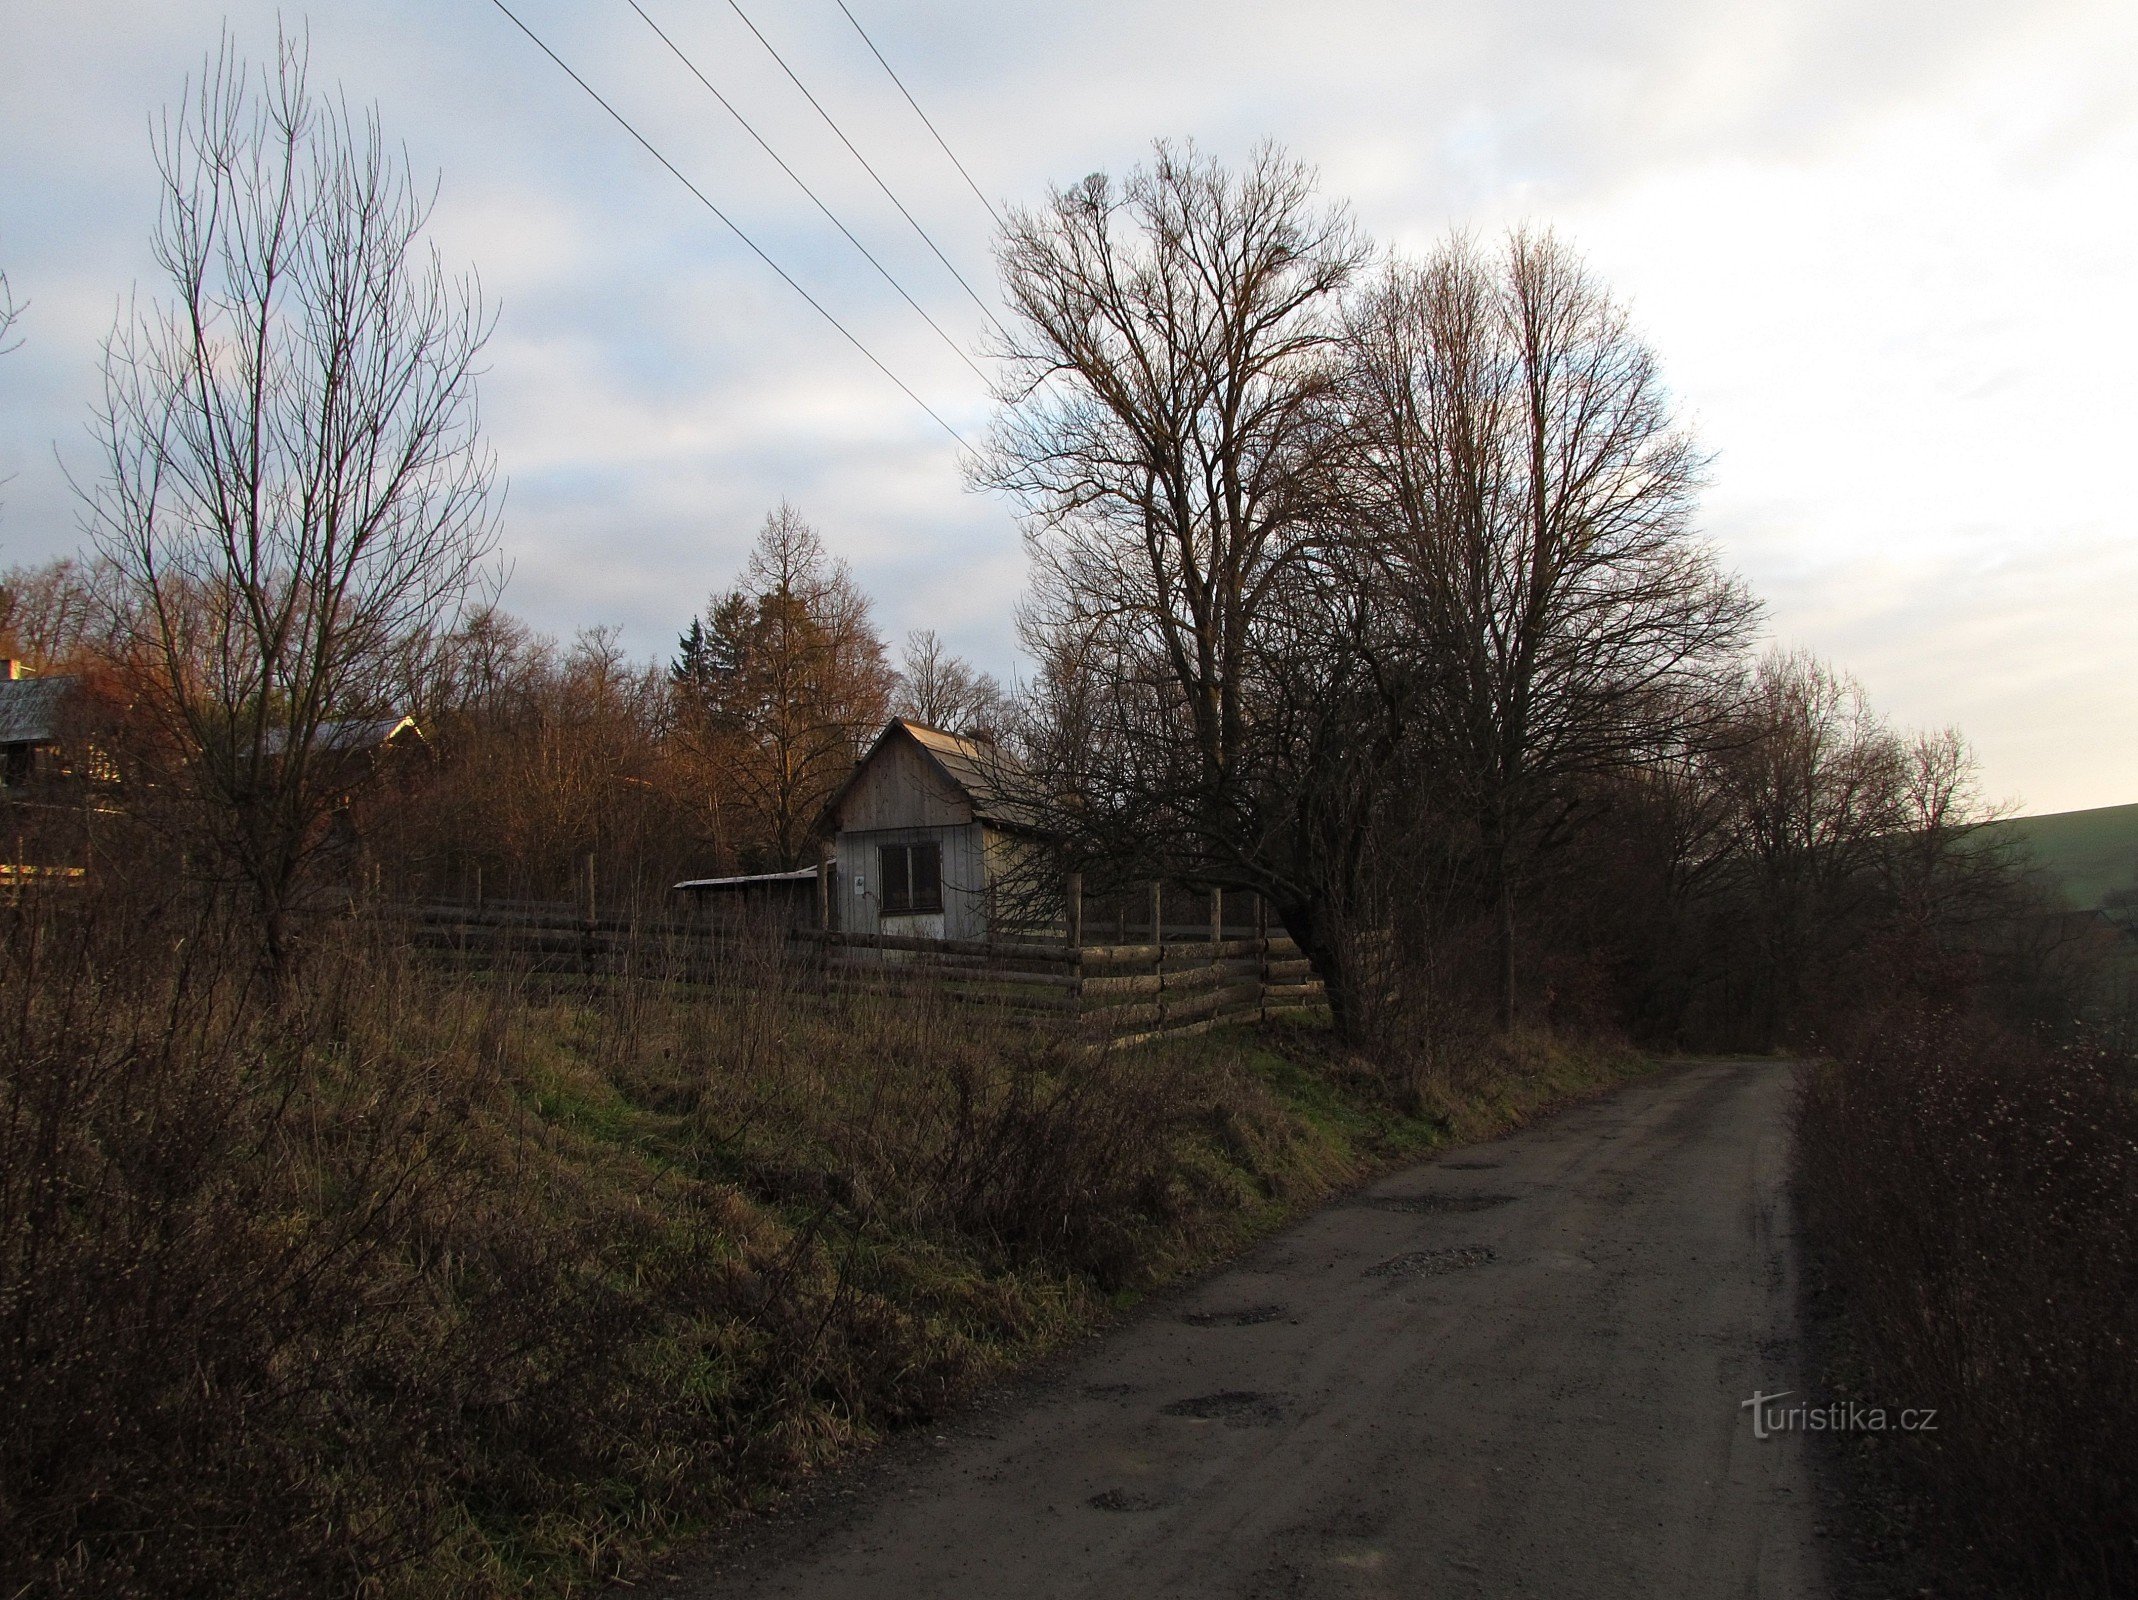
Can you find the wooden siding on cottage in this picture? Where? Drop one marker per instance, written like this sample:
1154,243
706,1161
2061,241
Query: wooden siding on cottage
902,788
965,912
917,786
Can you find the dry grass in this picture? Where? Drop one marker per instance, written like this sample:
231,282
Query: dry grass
398,1283
1975,1200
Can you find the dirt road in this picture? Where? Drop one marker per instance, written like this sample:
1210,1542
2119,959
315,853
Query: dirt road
1515,1370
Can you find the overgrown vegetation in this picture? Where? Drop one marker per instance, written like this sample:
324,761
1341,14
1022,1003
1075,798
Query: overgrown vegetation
390,1283
1973,1195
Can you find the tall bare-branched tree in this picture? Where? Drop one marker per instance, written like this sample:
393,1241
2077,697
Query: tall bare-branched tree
293,482
1170,424
1555,612
1819,786
945,691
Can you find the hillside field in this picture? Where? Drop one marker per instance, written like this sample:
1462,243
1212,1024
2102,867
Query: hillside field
2089,854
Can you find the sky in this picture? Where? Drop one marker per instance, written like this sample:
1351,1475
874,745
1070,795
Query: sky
1885,249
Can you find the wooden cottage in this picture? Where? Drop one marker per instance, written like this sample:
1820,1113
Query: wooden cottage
926,837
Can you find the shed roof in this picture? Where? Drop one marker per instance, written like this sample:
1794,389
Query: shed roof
749,880
30,709
983,772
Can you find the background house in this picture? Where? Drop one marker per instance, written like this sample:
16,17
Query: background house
31,712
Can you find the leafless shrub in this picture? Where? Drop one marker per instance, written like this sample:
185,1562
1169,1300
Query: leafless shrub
1975,1198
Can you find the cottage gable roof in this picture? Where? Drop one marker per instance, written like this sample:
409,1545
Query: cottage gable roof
31,708
982,773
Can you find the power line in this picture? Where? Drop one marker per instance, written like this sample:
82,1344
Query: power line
815,304
864,160
918,112
883,271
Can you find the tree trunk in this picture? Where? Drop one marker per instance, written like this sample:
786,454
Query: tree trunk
1314,927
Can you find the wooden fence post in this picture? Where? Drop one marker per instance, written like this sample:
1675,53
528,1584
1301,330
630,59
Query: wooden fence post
1261,958
590,889
1158,944
823,889
1073,895
478,888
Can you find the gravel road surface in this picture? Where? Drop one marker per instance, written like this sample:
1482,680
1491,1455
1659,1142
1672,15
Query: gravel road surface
1513,1370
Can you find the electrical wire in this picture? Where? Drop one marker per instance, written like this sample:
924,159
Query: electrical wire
755,249
978,192
986,310
829,216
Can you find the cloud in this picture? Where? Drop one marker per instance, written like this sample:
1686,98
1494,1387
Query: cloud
1883,250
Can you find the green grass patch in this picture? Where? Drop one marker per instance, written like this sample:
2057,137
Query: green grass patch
2088,855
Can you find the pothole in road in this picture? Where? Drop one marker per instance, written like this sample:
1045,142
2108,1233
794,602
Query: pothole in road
1424,1204
1431,1263
1236,1408
1124,1500
1469,1166
1247,1317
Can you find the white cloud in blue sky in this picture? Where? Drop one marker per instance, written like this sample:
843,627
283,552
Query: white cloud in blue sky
1885,250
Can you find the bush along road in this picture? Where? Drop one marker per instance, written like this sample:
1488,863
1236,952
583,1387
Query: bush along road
1520,1368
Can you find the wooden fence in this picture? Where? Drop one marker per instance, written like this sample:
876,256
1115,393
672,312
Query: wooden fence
1183,982
1122,992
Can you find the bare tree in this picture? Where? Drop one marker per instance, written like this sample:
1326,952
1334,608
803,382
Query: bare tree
1170,423
49,613
1817,783
944,691
1164,413
10,314
1556,613
293,481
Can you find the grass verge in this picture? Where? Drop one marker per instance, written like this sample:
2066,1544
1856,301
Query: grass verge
399,1285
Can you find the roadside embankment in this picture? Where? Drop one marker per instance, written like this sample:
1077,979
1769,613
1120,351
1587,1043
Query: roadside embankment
389,1283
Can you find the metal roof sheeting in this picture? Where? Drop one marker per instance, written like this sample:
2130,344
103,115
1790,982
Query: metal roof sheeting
30,709
748,879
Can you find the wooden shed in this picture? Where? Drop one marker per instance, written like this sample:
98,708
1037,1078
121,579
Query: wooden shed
926,832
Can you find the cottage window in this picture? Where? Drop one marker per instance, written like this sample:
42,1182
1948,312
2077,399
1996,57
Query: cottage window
912,877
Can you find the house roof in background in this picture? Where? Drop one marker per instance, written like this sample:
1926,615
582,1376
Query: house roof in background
30,709
342,738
